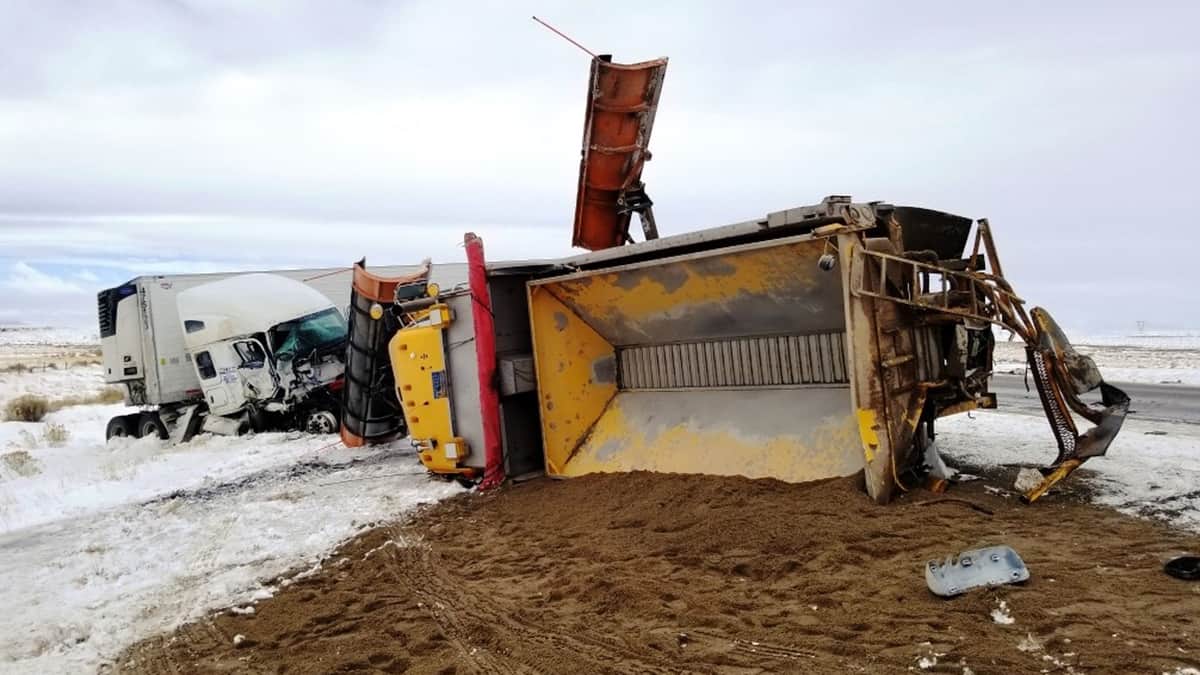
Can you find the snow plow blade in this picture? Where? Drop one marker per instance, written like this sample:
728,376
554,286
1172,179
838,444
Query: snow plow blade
622,100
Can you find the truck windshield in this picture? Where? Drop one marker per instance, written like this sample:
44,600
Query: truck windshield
299,337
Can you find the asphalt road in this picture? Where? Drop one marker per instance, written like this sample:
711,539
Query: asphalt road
1151,402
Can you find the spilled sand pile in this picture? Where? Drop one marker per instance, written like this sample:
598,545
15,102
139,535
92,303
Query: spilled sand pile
659,573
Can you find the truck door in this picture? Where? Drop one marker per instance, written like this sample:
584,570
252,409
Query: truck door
217,366
258,381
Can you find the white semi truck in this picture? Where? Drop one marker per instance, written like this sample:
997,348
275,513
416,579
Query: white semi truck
226,353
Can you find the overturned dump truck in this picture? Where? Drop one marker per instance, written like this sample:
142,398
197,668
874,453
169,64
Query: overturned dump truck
818,341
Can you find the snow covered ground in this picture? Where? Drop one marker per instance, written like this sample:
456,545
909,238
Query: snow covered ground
1152,469
1172,358
106,544
79,381
45,337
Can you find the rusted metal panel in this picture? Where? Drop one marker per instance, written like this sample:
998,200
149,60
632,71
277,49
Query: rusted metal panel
622,100
767,288
778,360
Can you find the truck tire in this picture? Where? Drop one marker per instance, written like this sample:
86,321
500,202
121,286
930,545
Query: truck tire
149,424
119,427
319,421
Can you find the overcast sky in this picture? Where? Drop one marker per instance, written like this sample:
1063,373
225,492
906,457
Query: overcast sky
183,135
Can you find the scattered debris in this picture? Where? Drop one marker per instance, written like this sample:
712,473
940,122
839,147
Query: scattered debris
1184,567
239,640
243,611
1030,644
1027,479
937,467
930,659
1002,615
977,568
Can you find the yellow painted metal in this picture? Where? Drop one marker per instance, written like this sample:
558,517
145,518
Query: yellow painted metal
418,354
866,382
576,371
1051,480
868,432
760,289
589,424
722,433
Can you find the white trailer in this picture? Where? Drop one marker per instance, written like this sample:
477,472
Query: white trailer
145,348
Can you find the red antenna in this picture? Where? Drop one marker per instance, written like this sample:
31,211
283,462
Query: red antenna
566,37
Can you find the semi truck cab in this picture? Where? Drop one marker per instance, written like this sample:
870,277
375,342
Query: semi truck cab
262,352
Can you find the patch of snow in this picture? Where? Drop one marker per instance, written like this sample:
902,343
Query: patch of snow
53,384
106,544
86,475
45,335
1146,475
1027,479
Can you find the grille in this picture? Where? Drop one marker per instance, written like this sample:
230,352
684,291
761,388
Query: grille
779,360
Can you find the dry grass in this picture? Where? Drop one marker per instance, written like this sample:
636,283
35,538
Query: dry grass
33,408
103,397
26,408
21,463
55,435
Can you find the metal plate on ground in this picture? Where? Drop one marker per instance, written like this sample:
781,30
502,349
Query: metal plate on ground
977,568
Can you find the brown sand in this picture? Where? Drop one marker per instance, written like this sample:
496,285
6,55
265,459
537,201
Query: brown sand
657,574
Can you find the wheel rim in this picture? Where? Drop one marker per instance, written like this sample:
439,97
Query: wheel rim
321,422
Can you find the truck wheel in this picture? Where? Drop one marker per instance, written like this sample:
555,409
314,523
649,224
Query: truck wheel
119,427
149,424
321,422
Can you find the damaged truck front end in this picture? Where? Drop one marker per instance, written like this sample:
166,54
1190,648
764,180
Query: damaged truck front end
914,290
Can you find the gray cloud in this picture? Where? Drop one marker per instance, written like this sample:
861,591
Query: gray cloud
320,132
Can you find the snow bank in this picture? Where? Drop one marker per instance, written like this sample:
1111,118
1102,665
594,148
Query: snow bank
1152,469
